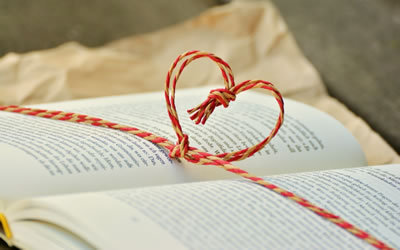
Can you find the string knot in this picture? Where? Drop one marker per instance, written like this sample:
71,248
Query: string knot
216,98
180,148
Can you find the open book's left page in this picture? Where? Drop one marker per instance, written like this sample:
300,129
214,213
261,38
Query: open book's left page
43,156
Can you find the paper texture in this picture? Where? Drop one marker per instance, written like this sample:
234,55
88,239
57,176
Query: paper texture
251,36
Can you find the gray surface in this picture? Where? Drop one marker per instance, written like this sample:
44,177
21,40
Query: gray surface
31,25
355,45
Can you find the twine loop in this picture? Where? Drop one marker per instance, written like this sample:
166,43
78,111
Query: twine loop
216,97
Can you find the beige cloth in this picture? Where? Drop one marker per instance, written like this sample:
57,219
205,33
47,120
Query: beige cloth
250,36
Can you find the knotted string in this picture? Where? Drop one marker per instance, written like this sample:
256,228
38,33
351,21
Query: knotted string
200,114
216,98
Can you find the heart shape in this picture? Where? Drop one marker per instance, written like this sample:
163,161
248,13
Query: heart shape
217,97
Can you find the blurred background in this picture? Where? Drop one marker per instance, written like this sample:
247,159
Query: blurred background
354,44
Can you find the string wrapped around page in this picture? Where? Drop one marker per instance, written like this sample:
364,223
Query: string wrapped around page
200,114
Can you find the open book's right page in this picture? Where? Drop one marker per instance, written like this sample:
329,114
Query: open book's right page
228,214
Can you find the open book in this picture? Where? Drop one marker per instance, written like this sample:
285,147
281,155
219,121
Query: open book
66,185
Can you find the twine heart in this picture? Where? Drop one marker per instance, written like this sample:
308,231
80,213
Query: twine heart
217,97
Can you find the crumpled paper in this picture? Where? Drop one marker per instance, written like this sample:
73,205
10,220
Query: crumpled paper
251,36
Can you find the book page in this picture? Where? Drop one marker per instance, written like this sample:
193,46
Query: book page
212,215
43,156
